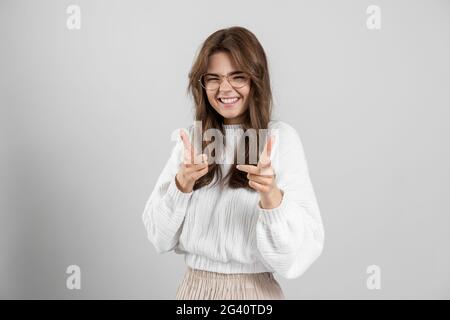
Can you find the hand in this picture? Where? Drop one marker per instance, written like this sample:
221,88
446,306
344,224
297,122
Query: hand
194,166
262,178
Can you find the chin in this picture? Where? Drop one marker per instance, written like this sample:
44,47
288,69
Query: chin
230,114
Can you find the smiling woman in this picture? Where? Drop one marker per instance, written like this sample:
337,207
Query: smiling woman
256,219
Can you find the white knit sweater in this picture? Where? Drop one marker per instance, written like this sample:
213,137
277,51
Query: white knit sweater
225,230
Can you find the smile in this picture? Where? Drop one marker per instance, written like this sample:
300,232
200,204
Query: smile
228,101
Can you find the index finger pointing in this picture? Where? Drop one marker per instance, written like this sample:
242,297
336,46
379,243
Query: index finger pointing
265,156
188,149
185,139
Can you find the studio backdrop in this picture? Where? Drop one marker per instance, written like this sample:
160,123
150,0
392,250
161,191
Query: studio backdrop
91,91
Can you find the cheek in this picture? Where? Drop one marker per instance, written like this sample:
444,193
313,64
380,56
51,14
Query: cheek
211,98
245,95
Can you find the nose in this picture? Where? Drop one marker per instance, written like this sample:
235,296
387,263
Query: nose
225,85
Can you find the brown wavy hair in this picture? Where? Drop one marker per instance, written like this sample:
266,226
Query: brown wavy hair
247,54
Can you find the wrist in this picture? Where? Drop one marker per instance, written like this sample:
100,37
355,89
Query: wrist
271,199
182,184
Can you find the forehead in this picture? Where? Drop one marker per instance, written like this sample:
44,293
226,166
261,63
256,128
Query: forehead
221,63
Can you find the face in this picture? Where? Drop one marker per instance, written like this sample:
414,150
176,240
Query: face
228,101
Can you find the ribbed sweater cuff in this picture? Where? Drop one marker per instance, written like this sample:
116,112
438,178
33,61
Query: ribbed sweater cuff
179,197
274,215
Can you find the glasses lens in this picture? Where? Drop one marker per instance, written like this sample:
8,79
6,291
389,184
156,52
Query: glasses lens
239,80
210,82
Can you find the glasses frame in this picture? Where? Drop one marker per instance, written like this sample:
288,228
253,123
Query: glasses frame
225,76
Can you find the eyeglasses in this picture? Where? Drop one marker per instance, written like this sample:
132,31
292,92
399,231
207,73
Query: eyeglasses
211,81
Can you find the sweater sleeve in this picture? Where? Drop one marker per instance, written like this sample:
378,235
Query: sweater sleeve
290,237
165,209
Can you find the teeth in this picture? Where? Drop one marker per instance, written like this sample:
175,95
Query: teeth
229,100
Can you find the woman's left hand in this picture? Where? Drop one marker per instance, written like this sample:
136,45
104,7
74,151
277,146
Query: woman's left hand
262,178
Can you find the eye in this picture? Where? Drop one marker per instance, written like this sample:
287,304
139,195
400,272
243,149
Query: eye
239,77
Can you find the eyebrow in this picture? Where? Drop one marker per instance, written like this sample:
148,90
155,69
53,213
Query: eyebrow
229,74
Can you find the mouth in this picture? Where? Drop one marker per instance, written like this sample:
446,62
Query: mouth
228,102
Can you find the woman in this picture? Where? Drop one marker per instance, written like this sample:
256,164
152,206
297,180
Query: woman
235,224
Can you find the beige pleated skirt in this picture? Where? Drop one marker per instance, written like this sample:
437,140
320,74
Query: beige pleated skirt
206,285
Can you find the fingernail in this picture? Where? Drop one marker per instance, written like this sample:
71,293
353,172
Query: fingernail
238,167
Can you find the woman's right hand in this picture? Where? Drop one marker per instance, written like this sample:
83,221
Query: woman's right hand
193,167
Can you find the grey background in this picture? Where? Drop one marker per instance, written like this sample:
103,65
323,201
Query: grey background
86,118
